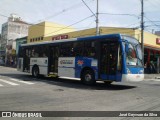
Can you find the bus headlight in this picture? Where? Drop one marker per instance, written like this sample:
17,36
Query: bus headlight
128,71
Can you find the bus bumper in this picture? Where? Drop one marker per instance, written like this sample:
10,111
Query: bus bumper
133,77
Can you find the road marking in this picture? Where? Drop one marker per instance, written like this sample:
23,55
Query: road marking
1,85
29,83
8,82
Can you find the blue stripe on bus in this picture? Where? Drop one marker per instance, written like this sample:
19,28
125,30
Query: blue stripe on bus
100,37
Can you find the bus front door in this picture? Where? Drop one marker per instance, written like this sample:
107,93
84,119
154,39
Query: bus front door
53,60
110,61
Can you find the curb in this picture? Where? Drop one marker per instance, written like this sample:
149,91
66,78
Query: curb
151,79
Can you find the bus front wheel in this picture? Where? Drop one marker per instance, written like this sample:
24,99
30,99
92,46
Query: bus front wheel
35,72
108,82
88,77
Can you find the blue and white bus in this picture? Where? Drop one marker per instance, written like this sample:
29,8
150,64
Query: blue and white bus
108,58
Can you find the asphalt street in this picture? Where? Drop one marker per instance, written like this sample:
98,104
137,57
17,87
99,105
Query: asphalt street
21,92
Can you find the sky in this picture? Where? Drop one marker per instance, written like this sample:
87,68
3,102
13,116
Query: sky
112,13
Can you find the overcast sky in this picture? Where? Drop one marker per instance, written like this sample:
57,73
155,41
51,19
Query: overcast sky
68,12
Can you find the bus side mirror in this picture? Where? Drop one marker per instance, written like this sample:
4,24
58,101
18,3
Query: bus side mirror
126,47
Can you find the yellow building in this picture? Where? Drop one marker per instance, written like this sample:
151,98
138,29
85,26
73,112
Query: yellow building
39,32
49,31
150,40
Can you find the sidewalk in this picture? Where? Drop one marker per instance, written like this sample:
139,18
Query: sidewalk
152,76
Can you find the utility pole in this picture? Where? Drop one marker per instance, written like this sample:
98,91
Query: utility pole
97,20
142,30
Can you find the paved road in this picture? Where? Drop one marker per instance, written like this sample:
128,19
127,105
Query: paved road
21,92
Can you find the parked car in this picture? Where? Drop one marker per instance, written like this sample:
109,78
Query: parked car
2,62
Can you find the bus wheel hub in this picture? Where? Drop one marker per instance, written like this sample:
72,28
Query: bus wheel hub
88,77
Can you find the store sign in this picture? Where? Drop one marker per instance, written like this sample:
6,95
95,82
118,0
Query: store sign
60,37
158,41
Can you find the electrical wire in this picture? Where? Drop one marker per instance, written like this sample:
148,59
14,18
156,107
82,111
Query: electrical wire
151,21
3,16
89,9
122,14
70,25
61,12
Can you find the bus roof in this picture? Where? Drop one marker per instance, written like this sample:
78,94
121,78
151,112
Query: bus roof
75,39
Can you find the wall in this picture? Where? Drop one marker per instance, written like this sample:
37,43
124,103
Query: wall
149,39
41,31
114,30
36,31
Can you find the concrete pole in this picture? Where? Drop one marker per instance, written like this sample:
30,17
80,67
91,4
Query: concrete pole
97,20
142,30
158,64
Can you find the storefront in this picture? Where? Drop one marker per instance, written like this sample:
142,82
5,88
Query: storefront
152,58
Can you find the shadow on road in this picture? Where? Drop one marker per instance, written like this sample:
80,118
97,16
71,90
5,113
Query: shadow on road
69,83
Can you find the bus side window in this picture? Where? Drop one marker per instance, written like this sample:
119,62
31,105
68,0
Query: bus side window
43,51
78,48
89,49
35,52
32,53
57,52
66,50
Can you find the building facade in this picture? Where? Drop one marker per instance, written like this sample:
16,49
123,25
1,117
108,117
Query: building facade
11,30
151,41
40,32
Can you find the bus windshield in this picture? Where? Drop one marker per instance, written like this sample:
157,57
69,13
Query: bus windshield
134,52
134,55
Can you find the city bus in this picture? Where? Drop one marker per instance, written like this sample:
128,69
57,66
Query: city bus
109,58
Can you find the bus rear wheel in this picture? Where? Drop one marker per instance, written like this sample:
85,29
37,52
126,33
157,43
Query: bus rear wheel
88,77
35,72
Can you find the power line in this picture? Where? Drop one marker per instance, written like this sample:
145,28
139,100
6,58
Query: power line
89,8
64,10
151,21
70,25
157,6
4,16
121,14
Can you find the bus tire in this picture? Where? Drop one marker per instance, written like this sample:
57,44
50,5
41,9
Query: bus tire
35,71
108,82
88,77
